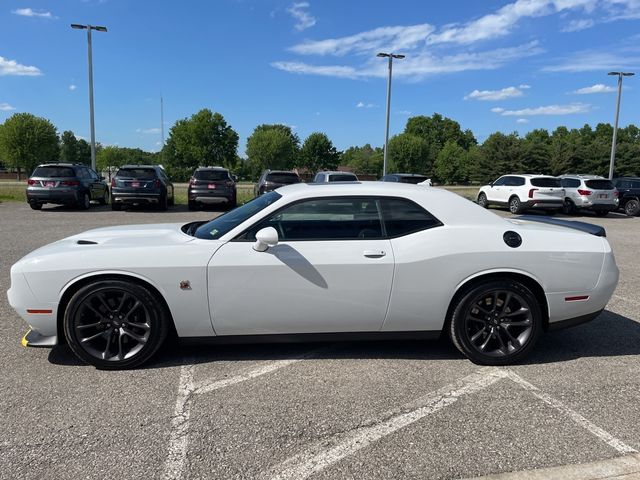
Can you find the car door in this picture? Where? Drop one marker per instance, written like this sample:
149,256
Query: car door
494,191
97,187
330,272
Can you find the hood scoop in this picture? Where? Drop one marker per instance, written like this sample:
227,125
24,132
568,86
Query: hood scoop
86,242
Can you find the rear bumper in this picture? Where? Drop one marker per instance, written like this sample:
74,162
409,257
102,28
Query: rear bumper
572,322
210,196
544,204
64,196
133,198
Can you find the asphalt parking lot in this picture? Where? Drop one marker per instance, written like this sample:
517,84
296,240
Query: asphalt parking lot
345,410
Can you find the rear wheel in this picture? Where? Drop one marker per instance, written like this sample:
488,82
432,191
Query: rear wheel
632,207
568,207
602,213
116,206
192,205
514,205
105,197
85,201
115,324
164,204
496,322
35,205
233,203
482,201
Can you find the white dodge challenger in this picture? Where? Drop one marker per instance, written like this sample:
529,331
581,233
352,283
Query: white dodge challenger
318,262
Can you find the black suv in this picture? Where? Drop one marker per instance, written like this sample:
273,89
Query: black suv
212,186
628,194
141,185
272,179
66,184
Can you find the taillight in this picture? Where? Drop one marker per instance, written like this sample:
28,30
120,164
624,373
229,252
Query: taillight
616,193
584,192
157,183
113,182
192,182
69,183
31,182
531,192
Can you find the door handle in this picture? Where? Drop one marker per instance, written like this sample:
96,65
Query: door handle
374,253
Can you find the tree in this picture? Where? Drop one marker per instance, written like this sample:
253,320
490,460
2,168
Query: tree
452,165
318,153
68,147
536,152
272,146
501,154
84,151
203,139
364,160
27,140
409,154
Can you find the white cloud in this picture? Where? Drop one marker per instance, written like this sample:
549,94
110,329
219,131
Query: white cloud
577,25
303,18
522,120
72,87
597,88
388,38
5,107
11,67
590,60
571,109
622,9
502,94
364,105
148,130
29,12
326,70
497,109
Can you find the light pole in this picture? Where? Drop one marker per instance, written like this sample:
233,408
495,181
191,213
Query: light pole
88,28
615,125
390,56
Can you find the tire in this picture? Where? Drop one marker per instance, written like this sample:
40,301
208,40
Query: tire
163,204
482,201
85,201
489,333
115,324
191,205
233,203
515,206
551,213
35,205
105,197
116,207
601,213
172,201
632,207
568,207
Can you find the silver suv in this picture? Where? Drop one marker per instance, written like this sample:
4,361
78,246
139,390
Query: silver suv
588,192
322,177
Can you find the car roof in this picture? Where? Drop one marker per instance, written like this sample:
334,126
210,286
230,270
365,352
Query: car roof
55,164
140,166
448,207
528,175
584,176
407,174
280,171
212,168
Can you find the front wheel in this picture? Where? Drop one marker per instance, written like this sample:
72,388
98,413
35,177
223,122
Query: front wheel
632,207
515,206
496,322
115,324
482,201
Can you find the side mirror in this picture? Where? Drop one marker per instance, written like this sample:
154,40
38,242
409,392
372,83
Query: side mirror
101,177
265,238
491,184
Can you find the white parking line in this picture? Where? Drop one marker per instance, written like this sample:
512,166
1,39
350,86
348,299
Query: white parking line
175,464
573,415
329,451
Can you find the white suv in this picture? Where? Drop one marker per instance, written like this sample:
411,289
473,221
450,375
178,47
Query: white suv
522,191
589,192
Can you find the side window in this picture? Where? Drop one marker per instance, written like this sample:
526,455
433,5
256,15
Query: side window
93,174
402,217
499,182
635,184
570,183
83,173
347,218
518,181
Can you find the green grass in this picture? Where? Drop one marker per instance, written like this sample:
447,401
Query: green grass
13,192
245,193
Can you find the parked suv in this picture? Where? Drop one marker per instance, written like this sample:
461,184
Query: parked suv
521,192
413,178
272,179
322,177
588,192
628,194
141,185
212,186
66,184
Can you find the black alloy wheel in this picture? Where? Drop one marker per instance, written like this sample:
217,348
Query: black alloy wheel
632,207
115,324
496,323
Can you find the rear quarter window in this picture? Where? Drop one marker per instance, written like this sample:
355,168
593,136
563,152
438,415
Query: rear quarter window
548,182
51,172
402,217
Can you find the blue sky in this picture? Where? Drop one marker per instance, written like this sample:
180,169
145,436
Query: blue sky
491,65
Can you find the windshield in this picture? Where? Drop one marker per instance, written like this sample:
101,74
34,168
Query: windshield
141,173
211,175
283,177
50,172
225,223
545,182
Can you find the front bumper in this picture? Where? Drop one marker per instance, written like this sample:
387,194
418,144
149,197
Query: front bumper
40,316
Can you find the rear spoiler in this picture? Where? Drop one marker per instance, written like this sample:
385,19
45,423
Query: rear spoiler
596,230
